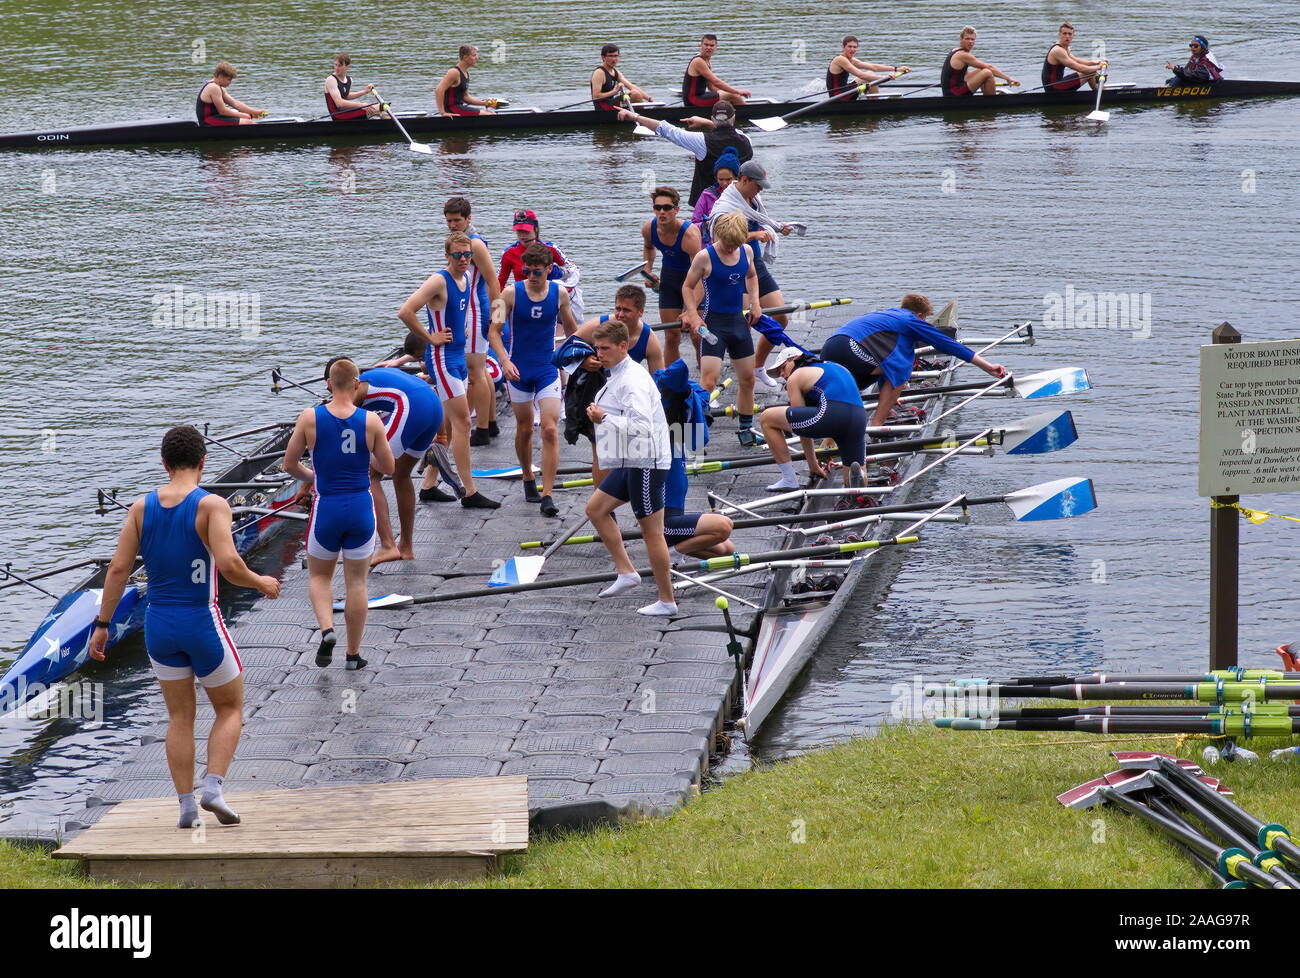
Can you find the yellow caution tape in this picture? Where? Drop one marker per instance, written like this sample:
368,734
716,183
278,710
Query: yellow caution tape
1256,516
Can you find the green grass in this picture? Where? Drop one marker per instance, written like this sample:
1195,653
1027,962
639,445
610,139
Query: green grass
910,807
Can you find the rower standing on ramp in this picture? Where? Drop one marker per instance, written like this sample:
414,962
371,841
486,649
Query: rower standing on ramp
184,534
824,403
346,443
452,92
215,105
679,242
954,78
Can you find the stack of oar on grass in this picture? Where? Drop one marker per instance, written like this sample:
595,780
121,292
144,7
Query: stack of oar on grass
1175,797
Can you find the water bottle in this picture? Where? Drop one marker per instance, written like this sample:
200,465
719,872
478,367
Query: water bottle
705,335
1210,755
1285,754
1232,752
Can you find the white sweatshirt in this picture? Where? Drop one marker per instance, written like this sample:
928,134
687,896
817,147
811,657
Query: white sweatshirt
634,433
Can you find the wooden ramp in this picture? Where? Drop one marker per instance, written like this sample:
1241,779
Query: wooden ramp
361,835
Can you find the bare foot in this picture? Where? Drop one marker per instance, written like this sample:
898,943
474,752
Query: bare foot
384,555
407,552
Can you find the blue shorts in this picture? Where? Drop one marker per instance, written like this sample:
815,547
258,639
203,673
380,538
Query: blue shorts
643,488
535,383
845,422
731,336
410,432
679,525
190,640
342,522
853,357
670,289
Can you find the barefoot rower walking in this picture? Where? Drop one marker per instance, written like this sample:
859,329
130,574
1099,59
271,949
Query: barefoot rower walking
347,445
824,403
846,64
184,534
484,293
701,86
880,346
215,105
453,91
632,444
707,147
679,242
338,94
726,268
609,86
1202,68
533,307
445,298
1060,57
964,74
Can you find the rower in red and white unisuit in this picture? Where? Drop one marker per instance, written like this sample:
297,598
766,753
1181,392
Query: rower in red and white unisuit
338,93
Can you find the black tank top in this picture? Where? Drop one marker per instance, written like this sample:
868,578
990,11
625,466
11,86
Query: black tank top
1052,73
693,85
345,91
611,82
456,93
837,84
204,111
950,77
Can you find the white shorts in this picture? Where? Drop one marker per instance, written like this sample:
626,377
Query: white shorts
448,379
224,673
342,524
523,393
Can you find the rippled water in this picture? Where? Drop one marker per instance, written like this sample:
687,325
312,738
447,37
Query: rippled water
999,210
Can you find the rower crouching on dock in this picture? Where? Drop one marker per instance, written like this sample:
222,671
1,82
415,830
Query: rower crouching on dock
609,86
964,74
881,347
1060,57
824,403
701,87
338,94
633,446
184,534
215,105
1202,68
452,93
846,64
346,444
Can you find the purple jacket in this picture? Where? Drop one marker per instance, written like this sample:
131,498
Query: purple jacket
703,208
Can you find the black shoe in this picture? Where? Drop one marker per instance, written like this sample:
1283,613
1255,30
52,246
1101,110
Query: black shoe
325,651
548,506
354,662
494,429
436,495
530,491
479,501
479,438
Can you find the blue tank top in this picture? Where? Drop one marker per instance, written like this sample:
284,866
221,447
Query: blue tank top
479,290
675,259
837,384
532,326
638,350
725,284
180,567
340,458
450,318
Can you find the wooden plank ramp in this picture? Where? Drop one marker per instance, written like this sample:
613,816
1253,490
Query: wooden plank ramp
345,836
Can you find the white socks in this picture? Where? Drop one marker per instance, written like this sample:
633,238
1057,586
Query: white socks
660,609
189,811
788,479
624,582
214,802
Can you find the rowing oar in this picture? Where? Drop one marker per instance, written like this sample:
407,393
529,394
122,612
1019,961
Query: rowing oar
278,379
775,311
1215,692
1092,678
978,704
1096,114
777,123
1029,91
411,144
524,570
711,564
1047,383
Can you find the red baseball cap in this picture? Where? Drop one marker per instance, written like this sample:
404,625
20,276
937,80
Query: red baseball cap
525,220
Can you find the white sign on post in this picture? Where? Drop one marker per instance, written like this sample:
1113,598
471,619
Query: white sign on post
1250,418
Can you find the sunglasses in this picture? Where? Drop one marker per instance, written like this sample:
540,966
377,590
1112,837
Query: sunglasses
466,255
664,207
532,272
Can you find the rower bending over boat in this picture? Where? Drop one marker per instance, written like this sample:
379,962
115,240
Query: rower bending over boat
679,242
215,106
701,86
707,147
726,268
349,451
444,297
184,534
609,86
1202,68
847,63
880,346
533,307
632,444
452,93
953,75
1059,57
824,403
484,293
338,94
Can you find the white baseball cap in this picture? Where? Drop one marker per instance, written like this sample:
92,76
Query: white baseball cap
784,356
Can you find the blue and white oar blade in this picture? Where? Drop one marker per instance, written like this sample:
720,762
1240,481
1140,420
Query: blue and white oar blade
1050,431
511,473
517,570
383,601
1056,500
1050,383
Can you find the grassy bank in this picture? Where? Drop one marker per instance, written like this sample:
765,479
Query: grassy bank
911,807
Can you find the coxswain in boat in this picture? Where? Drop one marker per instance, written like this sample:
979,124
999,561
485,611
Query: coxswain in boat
880,347
184,534
727,270
824,403
444,298
679,242
349,455
453,91
338,94
964,74
1060,57
701,87
1202,68
484,293
707,147
215,105
533,307
633,446
609,86
847,65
